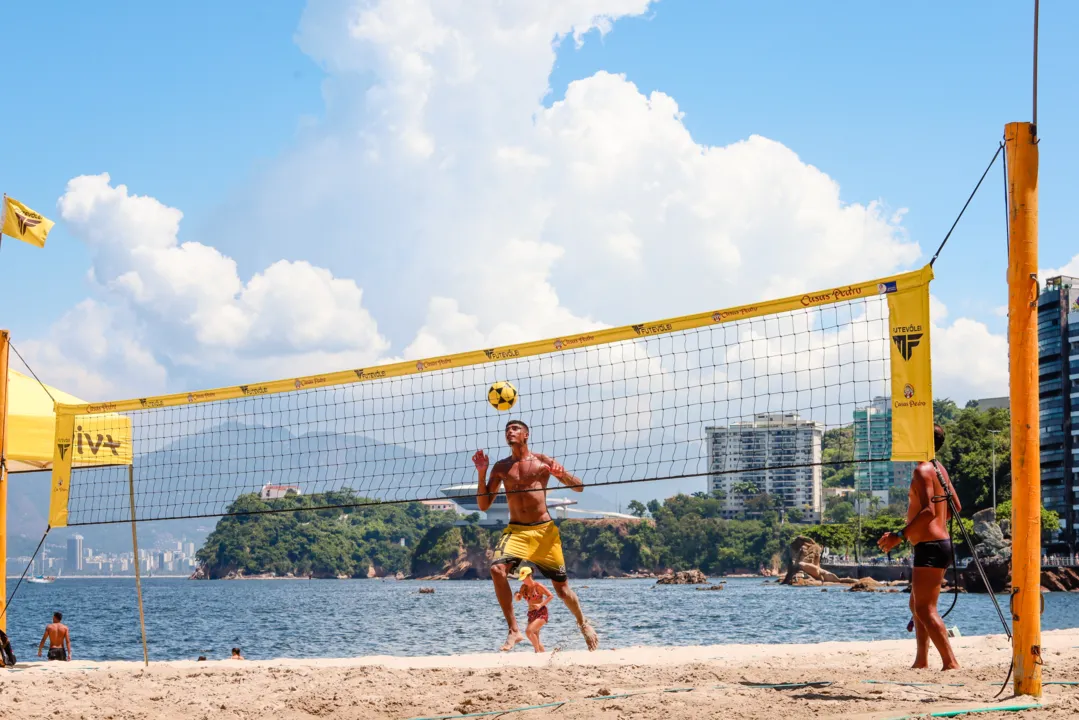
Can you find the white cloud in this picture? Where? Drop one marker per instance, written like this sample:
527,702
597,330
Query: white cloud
969,361
186,304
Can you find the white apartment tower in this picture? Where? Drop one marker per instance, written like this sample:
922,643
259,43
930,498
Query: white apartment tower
780,453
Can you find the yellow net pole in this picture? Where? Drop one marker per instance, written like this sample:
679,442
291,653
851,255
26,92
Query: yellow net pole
1020,144
5,344
138,573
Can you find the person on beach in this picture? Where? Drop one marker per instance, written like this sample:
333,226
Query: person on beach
531,534
927,531
59,639
236,654
537,598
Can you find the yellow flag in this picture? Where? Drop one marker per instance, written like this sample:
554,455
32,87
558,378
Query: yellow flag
22,223
912,387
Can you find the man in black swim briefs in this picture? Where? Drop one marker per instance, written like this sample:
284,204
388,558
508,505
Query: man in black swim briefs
927,530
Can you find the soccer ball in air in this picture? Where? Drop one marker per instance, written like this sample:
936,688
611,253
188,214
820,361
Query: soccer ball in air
502,395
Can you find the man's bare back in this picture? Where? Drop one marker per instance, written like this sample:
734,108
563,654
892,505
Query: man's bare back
926,475
59,640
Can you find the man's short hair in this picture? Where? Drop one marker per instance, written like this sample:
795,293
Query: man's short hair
57,616
235,651
518,422
938,437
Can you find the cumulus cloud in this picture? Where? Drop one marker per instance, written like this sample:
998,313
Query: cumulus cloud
183,304
470,207
969,361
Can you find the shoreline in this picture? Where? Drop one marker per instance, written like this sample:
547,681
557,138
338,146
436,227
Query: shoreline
833,679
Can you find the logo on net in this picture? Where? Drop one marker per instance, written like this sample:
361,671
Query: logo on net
906,343
887,287
63,447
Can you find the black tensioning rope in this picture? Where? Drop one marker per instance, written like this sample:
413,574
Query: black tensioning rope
972,194
30,564
27,365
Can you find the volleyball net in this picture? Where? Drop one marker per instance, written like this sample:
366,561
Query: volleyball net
739,393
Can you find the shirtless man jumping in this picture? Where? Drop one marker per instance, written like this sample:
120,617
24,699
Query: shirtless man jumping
531,534
927,531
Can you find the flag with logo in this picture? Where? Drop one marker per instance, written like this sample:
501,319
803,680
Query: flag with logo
912,386
22,223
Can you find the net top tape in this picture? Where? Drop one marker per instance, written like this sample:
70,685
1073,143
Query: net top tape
883,286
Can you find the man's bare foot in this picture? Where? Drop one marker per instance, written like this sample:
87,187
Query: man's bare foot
920,665
512,639
952,666
590,637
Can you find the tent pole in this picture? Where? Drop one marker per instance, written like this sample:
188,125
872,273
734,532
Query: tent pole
135,548
5,345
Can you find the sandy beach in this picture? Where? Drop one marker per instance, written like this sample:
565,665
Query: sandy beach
867,680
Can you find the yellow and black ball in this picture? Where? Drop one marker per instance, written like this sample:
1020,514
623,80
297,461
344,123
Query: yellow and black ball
502,395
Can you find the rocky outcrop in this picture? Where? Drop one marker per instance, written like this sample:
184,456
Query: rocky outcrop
1061,579
805,555
994,549
684,577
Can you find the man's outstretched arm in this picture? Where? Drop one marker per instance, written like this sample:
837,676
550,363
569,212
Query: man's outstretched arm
565,477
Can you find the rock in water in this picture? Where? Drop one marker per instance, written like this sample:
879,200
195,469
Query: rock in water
805,556
684,577
865,585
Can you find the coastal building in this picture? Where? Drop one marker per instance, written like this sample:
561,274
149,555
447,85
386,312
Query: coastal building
778,453
273,492
440,505
74,553
874,472
1058,400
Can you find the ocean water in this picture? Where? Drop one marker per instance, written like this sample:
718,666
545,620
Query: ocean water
348,618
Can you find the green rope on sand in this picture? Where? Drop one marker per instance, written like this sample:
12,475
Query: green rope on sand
970,711
787,686
911,684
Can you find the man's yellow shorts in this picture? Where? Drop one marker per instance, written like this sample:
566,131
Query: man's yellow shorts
539,544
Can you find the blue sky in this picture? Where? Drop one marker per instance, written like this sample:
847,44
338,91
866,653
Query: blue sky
198,104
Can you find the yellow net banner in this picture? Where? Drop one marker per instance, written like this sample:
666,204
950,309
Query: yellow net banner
61,470
912,376
914,281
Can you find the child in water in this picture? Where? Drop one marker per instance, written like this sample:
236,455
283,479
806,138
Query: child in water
537,597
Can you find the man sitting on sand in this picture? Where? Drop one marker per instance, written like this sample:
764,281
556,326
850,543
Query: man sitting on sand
531,534
537,598
236,654
926,529
59,639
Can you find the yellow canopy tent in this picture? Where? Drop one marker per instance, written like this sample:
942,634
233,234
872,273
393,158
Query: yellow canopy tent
31,426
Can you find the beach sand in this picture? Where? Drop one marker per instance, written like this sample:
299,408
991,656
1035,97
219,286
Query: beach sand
707,679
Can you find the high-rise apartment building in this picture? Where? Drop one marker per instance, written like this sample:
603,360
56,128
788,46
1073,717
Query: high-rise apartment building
873,441
74,553
779,453
1058,399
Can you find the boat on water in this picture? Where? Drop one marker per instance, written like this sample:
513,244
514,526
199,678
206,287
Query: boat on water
42,579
